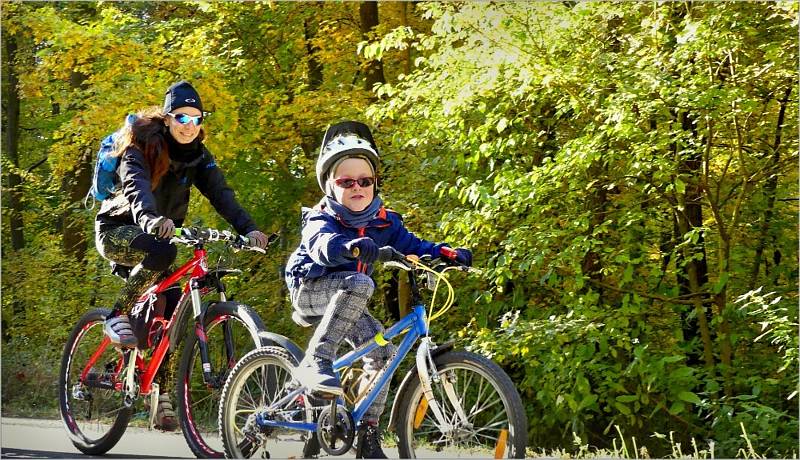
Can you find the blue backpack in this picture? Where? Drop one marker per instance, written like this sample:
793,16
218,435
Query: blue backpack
105,180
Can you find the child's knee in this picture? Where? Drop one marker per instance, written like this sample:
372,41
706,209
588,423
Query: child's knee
361,284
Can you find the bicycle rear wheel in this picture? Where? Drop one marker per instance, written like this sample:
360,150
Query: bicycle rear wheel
92,410
231,331
484,412
260,379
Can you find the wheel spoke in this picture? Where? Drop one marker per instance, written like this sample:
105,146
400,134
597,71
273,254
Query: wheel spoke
485,407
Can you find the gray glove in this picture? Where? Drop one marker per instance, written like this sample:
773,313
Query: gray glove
257,239
163,228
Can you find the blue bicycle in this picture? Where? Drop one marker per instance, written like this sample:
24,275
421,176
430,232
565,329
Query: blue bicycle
452,404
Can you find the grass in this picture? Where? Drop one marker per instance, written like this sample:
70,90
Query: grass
629,448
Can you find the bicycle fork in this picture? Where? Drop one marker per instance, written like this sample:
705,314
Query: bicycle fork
130,388
202,340
428,373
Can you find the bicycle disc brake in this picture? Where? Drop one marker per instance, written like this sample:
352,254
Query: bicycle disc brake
334,427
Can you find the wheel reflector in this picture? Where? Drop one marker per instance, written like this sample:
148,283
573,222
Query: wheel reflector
421,409
500,449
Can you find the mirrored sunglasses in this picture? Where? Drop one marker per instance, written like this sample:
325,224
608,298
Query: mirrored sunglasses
184,119
346,182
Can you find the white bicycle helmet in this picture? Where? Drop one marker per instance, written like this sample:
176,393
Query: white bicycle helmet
342,140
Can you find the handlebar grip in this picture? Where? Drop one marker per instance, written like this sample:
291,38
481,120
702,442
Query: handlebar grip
448,253
388,253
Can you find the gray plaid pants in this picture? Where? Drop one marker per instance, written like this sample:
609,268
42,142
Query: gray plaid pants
341,298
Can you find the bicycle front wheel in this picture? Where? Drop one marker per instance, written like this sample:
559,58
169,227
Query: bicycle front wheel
259,380
92,408
231,331
482,413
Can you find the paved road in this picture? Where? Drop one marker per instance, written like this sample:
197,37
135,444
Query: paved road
29,438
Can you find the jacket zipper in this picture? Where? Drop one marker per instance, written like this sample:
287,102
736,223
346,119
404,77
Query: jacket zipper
361,268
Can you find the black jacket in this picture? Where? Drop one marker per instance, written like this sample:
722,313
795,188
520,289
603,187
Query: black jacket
136,204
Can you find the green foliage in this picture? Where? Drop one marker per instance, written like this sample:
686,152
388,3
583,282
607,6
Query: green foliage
618,169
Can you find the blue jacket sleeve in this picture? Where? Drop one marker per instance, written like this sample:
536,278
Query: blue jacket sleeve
408,243
324,243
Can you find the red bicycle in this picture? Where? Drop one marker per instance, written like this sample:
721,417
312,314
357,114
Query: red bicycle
99,383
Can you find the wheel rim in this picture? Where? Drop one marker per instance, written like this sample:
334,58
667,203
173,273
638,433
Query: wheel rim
258,384
487,431
202,401
90,412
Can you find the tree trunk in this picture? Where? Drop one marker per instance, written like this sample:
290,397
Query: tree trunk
314,65
404,295
769,190
11,145
13,197
596,202
695,273
74,187
406,52
373,73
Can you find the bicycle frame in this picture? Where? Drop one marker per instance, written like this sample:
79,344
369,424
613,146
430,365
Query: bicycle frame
413,324
198,269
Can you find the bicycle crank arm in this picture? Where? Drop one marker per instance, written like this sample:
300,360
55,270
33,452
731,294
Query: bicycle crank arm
423,353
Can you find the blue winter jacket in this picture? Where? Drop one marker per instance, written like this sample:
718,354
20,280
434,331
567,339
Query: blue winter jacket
322,250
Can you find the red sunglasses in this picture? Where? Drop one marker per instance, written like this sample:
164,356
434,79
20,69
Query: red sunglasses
346,182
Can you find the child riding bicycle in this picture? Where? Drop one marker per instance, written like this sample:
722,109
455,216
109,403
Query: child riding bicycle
161,155
328,275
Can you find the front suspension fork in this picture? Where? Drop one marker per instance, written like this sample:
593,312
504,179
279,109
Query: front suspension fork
202,340
200,331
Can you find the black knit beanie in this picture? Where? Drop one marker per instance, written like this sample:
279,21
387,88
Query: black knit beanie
181,94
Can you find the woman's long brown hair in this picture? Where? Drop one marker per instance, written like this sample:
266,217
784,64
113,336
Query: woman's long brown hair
147,135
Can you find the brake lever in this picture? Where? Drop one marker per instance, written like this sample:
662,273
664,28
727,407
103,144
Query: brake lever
398,265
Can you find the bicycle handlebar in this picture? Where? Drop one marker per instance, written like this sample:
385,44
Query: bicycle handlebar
194,235
390,254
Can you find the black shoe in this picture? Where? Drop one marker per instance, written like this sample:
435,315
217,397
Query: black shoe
368,444
311,447
318,376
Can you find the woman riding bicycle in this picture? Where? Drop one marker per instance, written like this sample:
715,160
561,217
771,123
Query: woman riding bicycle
161,156
324,277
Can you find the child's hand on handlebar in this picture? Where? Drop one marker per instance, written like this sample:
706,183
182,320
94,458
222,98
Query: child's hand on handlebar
363,249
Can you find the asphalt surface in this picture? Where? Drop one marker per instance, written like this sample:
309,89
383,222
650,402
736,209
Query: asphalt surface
33,438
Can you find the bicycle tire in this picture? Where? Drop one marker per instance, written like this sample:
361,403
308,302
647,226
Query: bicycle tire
466,370
96,436
198,403
236,412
